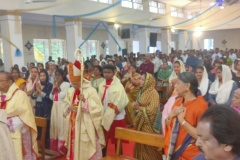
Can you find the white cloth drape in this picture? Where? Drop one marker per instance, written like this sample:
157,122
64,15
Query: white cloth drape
203,87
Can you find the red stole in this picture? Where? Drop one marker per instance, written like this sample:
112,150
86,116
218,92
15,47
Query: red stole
3,102
108,83
75,102
55,95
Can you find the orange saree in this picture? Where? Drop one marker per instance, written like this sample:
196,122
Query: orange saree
194,110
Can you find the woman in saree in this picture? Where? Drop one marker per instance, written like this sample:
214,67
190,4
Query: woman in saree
147,113
181,133
131,83
20,82
178,68
98,77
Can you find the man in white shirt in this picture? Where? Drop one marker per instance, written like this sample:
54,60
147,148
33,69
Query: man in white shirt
140,60
232,55
217,53
184,56
156,62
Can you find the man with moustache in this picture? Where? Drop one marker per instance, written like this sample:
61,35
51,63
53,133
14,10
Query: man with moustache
219,134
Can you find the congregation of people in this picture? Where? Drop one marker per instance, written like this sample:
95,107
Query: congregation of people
84,102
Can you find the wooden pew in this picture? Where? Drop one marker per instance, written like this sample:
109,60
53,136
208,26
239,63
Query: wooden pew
162,90
150,139
42,123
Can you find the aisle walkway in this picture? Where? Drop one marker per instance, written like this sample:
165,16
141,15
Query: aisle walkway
127,150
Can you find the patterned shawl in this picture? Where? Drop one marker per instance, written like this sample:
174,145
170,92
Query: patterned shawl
149,99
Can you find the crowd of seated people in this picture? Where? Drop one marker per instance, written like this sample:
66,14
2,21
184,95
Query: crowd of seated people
84,106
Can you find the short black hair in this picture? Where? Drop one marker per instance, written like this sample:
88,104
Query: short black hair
109,67
134,66
100,69
15,69
34,68
62,73
189,77
200,67
224,125
220,68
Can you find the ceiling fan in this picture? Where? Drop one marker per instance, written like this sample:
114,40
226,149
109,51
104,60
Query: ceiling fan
38,1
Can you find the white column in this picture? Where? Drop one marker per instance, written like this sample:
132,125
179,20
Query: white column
183,40
166,41
73,37
113,47
143,36
11,28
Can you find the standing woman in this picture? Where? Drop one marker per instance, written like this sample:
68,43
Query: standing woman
181,133
203,82
20,82
43,103
147,109
131,84
98,77
58,122
178,68
222,89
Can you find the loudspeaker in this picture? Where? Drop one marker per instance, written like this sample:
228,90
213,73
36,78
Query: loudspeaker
124,52
153,39
125,34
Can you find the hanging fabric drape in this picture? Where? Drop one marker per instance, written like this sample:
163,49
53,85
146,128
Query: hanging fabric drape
189,38
94,29
18,53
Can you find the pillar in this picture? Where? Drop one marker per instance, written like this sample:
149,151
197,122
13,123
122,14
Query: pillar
183,40
143,36
166,41
11,28
73,37
112,46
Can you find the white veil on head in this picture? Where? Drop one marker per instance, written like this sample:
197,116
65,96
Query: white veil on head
174,75
203,87
226,74
223,92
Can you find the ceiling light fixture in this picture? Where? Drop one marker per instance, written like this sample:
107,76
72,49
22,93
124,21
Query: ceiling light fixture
116,25
172,30
198,31
212,3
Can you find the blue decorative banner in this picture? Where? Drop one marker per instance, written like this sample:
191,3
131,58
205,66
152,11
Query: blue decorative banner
94,29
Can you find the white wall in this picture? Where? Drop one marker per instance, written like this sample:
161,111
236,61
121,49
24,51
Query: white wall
231,36
31,32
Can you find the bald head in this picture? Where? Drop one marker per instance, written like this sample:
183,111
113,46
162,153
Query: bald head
7,75
6,80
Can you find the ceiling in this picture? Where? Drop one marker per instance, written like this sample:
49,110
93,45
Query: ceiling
213,19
